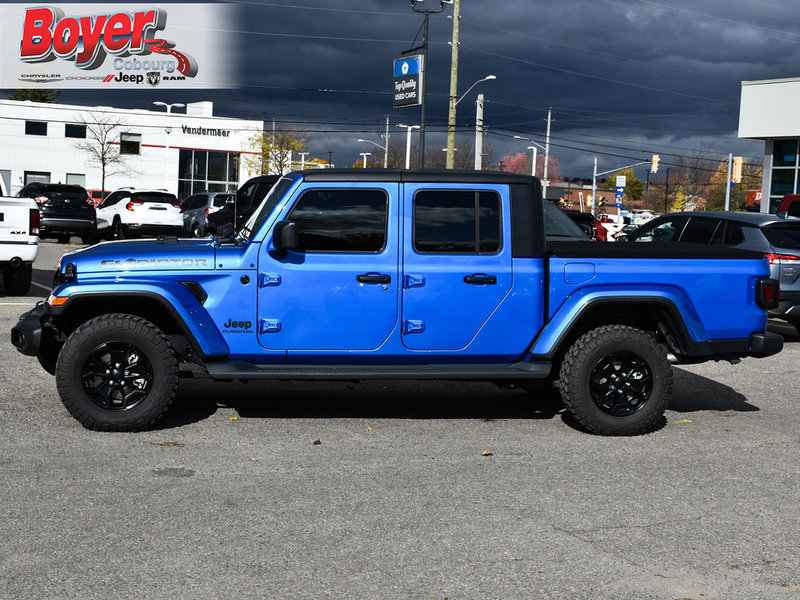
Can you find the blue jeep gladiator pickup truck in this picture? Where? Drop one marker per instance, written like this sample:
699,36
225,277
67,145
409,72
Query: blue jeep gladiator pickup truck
382,274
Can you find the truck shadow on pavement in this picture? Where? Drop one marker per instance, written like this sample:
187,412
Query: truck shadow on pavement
200,399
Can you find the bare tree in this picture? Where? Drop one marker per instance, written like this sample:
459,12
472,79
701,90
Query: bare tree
102,146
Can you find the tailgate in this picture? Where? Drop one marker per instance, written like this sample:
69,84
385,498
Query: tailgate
15,219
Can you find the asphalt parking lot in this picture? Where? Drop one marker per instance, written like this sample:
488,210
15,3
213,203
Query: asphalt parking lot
385,490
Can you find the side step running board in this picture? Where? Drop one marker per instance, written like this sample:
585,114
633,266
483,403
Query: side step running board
246,370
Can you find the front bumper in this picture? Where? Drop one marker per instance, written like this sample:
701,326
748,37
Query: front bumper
26,335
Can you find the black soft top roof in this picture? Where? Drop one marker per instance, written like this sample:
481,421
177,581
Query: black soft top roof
415,175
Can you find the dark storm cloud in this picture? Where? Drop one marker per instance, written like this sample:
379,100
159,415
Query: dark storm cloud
624,78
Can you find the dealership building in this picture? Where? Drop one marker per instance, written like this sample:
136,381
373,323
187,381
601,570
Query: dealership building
769,112
182,152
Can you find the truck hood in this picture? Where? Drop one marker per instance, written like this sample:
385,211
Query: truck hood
143,256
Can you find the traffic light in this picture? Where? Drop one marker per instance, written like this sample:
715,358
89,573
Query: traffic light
737,169
654,163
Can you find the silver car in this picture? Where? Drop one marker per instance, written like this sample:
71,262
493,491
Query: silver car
776,238
198,206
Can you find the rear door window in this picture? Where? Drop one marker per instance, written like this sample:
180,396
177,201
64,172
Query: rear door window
457,222
702,230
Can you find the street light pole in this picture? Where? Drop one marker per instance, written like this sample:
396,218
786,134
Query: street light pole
386,154
408,142
169,106
533,164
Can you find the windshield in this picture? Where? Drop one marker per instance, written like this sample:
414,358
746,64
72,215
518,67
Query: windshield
785,235
559,225
269,203
64,193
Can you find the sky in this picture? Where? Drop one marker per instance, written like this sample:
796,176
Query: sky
625,79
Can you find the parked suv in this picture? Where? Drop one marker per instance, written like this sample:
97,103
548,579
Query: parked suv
590,226
777,239
129,212
227,221
65,211
197,207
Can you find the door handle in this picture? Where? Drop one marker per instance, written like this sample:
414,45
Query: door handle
480,279
373,278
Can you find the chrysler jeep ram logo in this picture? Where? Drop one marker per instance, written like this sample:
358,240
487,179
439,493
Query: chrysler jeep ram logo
154,262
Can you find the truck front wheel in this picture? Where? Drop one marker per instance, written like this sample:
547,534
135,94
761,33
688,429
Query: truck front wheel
616,380
117,372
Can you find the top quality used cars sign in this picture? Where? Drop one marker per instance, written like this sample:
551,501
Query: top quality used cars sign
408,81
115,46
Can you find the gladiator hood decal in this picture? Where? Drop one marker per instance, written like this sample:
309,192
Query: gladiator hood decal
143,256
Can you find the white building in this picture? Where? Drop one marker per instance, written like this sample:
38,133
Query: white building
180,152
770,111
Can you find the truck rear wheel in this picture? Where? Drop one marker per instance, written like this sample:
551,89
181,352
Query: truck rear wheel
616,380
17,280
117,372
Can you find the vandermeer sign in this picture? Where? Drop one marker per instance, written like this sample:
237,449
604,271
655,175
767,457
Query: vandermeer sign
408,81
116,46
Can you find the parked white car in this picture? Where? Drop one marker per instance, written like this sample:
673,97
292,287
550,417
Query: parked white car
19,242
131,212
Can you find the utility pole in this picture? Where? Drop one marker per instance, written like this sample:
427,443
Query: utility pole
666,193
424,48
451,117
479,133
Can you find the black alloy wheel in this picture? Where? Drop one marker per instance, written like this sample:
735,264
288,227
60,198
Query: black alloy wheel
621,383
117,376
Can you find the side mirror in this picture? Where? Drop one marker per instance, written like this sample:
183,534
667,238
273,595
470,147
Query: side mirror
230,201
284,236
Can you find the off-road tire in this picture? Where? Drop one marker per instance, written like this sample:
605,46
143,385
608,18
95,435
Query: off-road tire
117,372
616,380
17,280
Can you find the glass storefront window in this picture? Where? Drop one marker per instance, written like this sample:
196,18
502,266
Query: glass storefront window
201,170
782,182
784,153
218,166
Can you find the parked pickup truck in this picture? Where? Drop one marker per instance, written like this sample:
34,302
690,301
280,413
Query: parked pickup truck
381,274
19,242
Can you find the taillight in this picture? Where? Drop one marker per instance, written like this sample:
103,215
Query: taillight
768,293
34,221
131,204
781,258
41,199
208,211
